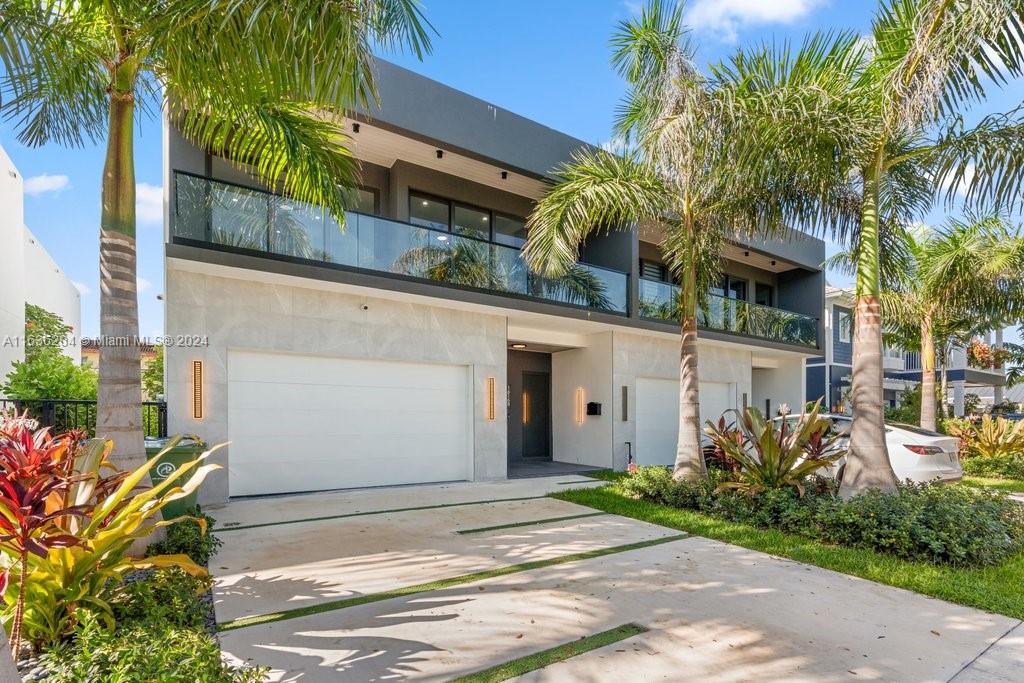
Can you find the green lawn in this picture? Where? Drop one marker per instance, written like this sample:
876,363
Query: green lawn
996,589
1005,485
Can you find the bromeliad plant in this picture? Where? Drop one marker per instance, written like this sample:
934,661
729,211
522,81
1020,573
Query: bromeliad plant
998,437
776,454
87,524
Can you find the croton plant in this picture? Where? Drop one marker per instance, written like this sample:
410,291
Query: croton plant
68,520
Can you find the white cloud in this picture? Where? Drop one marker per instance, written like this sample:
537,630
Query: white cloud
634,7
82,288
142,284
961,187
42,184
149,204
616,145
726,17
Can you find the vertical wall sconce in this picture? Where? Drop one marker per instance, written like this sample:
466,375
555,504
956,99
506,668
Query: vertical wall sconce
581,409
526,408
490,399
197,389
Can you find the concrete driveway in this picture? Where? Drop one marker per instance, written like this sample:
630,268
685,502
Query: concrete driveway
429,583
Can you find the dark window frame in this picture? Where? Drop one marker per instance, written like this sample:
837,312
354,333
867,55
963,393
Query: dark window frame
452,203
376,197
771,293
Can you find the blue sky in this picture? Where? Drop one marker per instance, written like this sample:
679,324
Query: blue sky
545,60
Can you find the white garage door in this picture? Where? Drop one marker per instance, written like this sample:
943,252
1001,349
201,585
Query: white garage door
307,423
657,415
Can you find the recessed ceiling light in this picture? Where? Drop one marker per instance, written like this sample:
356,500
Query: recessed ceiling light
440,153
485,219
424,202
442,238
519,346
773,263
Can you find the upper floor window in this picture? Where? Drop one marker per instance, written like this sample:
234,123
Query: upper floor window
438,213
764,294
470,221
845,323
429,212
652,270
509,230
366,200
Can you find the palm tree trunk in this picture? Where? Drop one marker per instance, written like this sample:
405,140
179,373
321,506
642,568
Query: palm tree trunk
867,462
689,457
927,374
119,405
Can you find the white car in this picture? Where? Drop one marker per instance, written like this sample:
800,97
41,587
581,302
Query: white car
917,454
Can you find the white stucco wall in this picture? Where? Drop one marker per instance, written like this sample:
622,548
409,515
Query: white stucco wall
590,369
242,314
12,274
53,290
781,384
658,358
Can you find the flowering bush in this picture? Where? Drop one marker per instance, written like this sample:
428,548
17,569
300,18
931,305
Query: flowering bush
982,356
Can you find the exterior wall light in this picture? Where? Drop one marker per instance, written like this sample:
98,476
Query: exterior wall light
526,408
580,406
197,389
490,411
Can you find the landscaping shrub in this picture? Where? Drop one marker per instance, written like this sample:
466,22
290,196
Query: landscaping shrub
773,454
142,652
931,522
1000,467
997,438
190,538
167,596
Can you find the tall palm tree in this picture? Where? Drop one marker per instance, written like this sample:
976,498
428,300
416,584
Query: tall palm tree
947,284
263,83
682,171
926,61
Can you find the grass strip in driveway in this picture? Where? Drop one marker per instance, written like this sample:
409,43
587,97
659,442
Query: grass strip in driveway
373,512
1004,485
440,584
998,589
559,653
532,522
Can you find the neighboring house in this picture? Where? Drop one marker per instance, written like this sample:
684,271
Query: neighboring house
829,376
29,274
415,346
91,353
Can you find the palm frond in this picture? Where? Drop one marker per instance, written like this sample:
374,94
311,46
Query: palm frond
596,191
985,163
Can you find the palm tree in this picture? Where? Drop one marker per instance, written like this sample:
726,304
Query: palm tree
947,285
682,171
896,137
262,83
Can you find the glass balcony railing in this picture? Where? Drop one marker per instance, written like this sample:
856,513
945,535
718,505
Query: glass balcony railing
660,301
243,218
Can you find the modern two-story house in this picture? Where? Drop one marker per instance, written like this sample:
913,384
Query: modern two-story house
412,344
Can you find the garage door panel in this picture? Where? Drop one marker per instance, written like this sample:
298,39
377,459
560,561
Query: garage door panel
302,423
657,415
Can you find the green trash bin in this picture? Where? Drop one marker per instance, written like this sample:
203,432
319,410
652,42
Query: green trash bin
186,450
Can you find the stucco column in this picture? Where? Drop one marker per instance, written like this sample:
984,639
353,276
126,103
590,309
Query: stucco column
958,398
997,391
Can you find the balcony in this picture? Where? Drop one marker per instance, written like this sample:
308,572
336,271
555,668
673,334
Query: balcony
660,301
233,217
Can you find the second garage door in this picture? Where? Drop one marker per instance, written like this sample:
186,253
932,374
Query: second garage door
657,415
309,423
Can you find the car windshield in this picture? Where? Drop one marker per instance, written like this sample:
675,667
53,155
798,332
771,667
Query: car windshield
915,429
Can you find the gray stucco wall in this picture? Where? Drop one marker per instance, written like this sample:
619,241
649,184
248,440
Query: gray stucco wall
435,111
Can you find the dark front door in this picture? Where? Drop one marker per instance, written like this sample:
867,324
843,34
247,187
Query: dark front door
536,415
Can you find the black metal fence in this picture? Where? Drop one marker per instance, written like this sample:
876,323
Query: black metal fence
64,415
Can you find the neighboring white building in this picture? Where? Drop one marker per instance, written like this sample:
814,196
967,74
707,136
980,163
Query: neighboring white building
830,375
29,274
